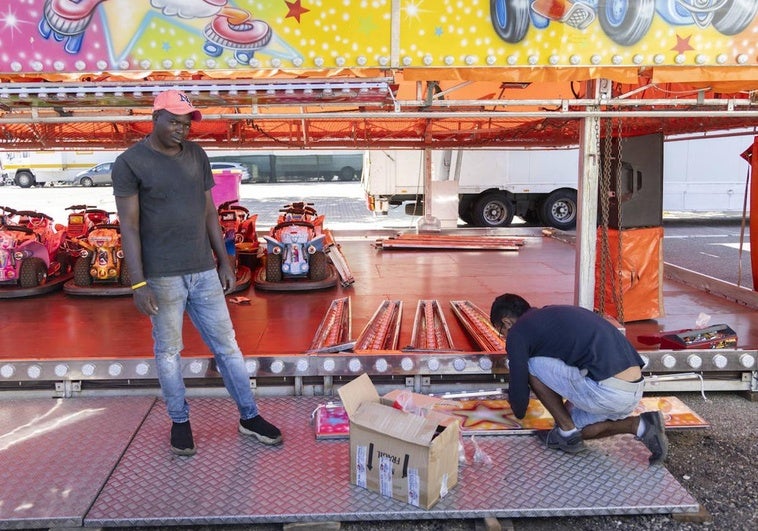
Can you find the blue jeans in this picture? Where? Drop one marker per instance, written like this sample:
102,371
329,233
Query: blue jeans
589,401
202,296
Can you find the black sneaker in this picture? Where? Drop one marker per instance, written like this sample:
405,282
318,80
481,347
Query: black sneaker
553,439
181,439
261,429
654,437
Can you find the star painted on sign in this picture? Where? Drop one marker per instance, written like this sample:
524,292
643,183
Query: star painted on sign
480,413
295,10
682,44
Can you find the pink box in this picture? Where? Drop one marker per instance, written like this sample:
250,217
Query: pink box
227,187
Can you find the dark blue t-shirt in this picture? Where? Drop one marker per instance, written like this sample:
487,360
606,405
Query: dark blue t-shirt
577,336
172,206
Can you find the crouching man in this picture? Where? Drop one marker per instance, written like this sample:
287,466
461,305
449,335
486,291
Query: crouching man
583,370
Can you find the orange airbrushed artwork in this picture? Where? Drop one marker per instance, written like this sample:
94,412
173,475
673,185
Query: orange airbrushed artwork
496,415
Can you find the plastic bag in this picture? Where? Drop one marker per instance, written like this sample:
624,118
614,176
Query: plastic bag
480,457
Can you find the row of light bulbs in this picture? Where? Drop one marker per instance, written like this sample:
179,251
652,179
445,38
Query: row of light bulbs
695,361
143,369
326,89
354,365
362,61
380,365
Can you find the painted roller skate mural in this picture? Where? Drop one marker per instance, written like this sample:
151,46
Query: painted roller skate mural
66,21
86,36
230,28
626,22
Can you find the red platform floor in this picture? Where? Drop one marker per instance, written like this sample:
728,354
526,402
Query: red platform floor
61,326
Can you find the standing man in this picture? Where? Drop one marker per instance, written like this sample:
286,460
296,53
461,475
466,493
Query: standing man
170,232
571,353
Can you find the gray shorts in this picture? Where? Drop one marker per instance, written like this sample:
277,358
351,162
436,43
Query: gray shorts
590,401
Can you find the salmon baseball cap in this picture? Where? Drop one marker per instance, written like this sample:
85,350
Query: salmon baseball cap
176,102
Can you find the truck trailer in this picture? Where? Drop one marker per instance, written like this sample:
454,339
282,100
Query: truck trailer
490,186
39,168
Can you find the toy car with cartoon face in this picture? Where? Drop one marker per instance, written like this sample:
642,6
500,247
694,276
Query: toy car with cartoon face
295,245
30,249
24,261
101,258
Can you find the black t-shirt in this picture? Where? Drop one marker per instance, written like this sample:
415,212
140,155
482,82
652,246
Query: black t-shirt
577,336
172,206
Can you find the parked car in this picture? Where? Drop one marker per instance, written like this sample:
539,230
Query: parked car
96,175
233,167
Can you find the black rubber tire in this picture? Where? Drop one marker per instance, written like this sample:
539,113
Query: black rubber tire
465,206
273,267
559,210
86,181
317,266
347,173
82,275
493,209
32,272
25,179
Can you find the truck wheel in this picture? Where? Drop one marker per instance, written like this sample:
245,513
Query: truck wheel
559,210
25,179
273,267
82,276
626,21
493,210
317,266
32,272
347,173
465,207
734,16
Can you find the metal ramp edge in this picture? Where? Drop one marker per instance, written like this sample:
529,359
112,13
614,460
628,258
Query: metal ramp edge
56,454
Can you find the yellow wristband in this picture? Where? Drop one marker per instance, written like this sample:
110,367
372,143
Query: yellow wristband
138,285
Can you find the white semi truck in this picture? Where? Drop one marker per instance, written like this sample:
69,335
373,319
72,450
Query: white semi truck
487,187
491,186
38,168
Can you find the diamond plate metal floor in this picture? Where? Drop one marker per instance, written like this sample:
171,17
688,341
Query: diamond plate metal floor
56,454
235,480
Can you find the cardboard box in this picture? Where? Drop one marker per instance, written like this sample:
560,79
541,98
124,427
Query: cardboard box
411,458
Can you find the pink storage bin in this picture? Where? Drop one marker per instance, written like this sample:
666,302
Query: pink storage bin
227,187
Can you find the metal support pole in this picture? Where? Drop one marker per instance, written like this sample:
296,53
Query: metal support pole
754,219
586,226
428,222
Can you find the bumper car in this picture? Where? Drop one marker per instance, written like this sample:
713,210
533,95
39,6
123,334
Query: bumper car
295,257
32,259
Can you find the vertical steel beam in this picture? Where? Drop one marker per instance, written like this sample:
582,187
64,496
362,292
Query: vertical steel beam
753,203
586,226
